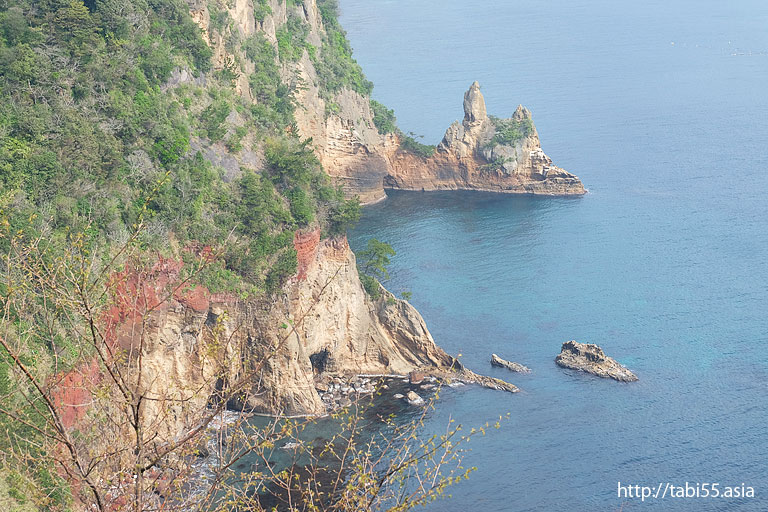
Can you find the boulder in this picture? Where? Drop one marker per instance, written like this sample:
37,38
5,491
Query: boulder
414,399
590,358
509,365
416,377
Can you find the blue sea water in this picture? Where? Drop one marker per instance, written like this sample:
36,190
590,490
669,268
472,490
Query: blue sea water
661,108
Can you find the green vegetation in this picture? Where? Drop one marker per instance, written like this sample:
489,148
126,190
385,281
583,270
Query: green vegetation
13,493
219,17
87,142
335,66
261,10
409,143
292,38
383,118
93,142
510,131
275,105
385,121
372,266
496,164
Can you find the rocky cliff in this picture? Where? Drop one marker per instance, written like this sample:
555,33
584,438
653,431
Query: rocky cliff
195,344
334,318
484,153
323,310
480,153
340,123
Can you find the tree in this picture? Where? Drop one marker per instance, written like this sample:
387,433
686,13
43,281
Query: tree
372,266
374,260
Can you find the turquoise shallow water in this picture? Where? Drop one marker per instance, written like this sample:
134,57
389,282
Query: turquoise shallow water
664,264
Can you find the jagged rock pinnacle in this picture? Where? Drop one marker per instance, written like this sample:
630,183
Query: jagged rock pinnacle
522,113
474,105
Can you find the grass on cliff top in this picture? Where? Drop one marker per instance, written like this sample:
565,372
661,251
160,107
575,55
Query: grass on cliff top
410,144
510,131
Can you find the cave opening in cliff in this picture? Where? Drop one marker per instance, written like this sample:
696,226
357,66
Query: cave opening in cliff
320,360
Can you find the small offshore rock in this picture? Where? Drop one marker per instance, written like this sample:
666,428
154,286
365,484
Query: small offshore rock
509,365
414,399
398,395
590,358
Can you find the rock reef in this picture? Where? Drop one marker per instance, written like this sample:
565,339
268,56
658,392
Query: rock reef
590,358
509,365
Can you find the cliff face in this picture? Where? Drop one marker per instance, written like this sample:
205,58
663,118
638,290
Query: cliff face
365,163
197,343
336,320
346,140
324,310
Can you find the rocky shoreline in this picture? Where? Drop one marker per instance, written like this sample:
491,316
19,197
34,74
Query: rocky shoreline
338,391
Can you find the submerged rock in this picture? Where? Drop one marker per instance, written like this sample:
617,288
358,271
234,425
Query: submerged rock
509,365
590,358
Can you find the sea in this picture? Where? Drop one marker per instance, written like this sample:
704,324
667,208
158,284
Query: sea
661,108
